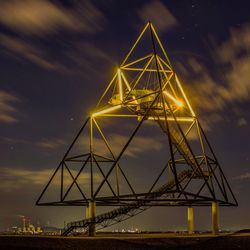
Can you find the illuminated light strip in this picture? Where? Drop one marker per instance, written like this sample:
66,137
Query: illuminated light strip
179,119
106,90
168,82
126,82
147,70
179,103
184,95
159,41
167,77
128,86
141,74
119,115
134,45
136,61
164,63
151,118
106,110
120,84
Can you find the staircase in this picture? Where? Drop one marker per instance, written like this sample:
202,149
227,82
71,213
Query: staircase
181,145
125,212
178,140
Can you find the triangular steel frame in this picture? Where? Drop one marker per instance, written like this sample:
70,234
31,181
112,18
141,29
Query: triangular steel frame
164,102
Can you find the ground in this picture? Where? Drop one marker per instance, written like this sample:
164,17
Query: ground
149,241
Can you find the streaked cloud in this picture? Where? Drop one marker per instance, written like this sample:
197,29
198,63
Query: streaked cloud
243,176
81,56
27,51
242,122
40,17
8,109
235,53
206,92
214,94
87,56
138,145
32,18
207,95
50,144
46,143
159,15
239,41
15,178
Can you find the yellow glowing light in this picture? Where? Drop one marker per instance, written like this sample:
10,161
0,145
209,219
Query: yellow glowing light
105,111
177,102
120,84
179,119
161,46
126,82
136,42
128,86
185,97
148,70
136,61
107,89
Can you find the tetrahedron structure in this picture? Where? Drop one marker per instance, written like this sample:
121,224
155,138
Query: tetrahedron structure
144,98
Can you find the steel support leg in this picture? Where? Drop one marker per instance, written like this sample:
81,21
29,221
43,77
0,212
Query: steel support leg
190,220
91,215
215,218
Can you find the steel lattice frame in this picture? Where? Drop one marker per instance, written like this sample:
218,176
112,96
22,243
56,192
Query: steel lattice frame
163,102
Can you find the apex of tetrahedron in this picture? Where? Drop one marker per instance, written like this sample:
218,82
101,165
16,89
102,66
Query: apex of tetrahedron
145,70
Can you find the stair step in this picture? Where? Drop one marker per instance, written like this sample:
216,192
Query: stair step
127,209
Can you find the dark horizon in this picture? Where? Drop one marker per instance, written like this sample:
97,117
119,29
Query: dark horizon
57,61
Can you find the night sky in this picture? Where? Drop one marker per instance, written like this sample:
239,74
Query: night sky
56,57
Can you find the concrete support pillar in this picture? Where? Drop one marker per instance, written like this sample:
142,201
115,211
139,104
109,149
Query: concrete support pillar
91,215
215,218
87,212
190,220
